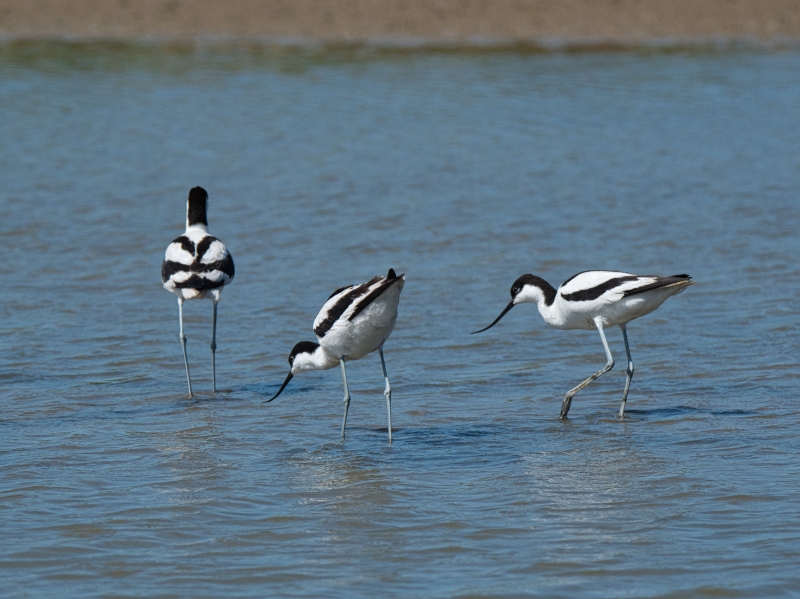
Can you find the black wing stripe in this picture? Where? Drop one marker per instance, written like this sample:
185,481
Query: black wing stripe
169,268
341,306
199,267
338,291
199,283
225,265
203,246
186,244
658,283
371,297
585,295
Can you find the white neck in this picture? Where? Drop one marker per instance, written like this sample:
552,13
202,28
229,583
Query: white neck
198,227
320,359
531,294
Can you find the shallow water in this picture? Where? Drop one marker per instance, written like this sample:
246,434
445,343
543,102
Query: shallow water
463,170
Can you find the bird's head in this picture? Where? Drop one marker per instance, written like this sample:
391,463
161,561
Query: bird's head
305,356
527,288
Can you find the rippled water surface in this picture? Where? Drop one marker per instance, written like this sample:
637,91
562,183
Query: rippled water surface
463,170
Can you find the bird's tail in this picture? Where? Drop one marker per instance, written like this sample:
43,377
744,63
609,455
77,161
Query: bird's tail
681,281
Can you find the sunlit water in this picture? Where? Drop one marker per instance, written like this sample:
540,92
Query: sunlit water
463,170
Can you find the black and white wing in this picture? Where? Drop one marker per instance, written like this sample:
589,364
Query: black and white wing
348,302
605,286
204,265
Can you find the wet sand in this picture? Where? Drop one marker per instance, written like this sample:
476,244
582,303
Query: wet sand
401,21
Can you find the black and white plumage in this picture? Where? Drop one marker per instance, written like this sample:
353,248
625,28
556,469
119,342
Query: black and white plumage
197,266
355,321
596,299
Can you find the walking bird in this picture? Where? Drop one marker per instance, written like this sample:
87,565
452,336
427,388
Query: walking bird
596,299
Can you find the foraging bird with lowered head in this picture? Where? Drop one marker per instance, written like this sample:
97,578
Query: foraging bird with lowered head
354,322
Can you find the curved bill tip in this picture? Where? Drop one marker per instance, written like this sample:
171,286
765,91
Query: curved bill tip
496,320
286,382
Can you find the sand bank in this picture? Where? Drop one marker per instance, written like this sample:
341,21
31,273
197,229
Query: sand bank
428,21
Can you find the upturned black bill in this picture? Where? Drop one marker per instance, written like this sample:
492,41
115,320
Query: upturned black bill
503,313
286,382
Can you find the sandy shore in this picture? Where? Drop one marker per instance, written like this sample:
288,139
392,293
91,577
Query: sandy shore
429,21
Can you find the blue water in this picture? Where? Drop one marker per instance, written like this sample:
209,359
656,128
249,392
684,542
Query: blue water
463,170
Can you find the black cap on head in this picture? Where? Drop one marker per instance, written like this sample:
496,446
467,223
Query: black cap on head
303,347
308,347
392,274
521,282
196,214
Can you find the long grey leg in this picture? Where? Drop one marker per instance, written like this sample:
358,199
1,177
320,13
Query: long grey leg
346,395
214,350
388,393
609,365
629,372
183,344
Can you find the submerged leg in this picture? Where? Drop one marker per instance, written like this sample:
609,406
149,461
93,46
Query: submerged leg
214,350
387,392
346,395
183,344
609,365
629,372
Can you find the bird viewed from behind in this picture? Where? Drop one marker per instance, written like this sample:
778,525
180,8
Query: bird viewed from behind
197,266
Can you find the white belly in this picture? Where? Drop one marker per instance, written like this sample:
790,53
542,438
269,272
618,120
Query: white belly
188,293
581,315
